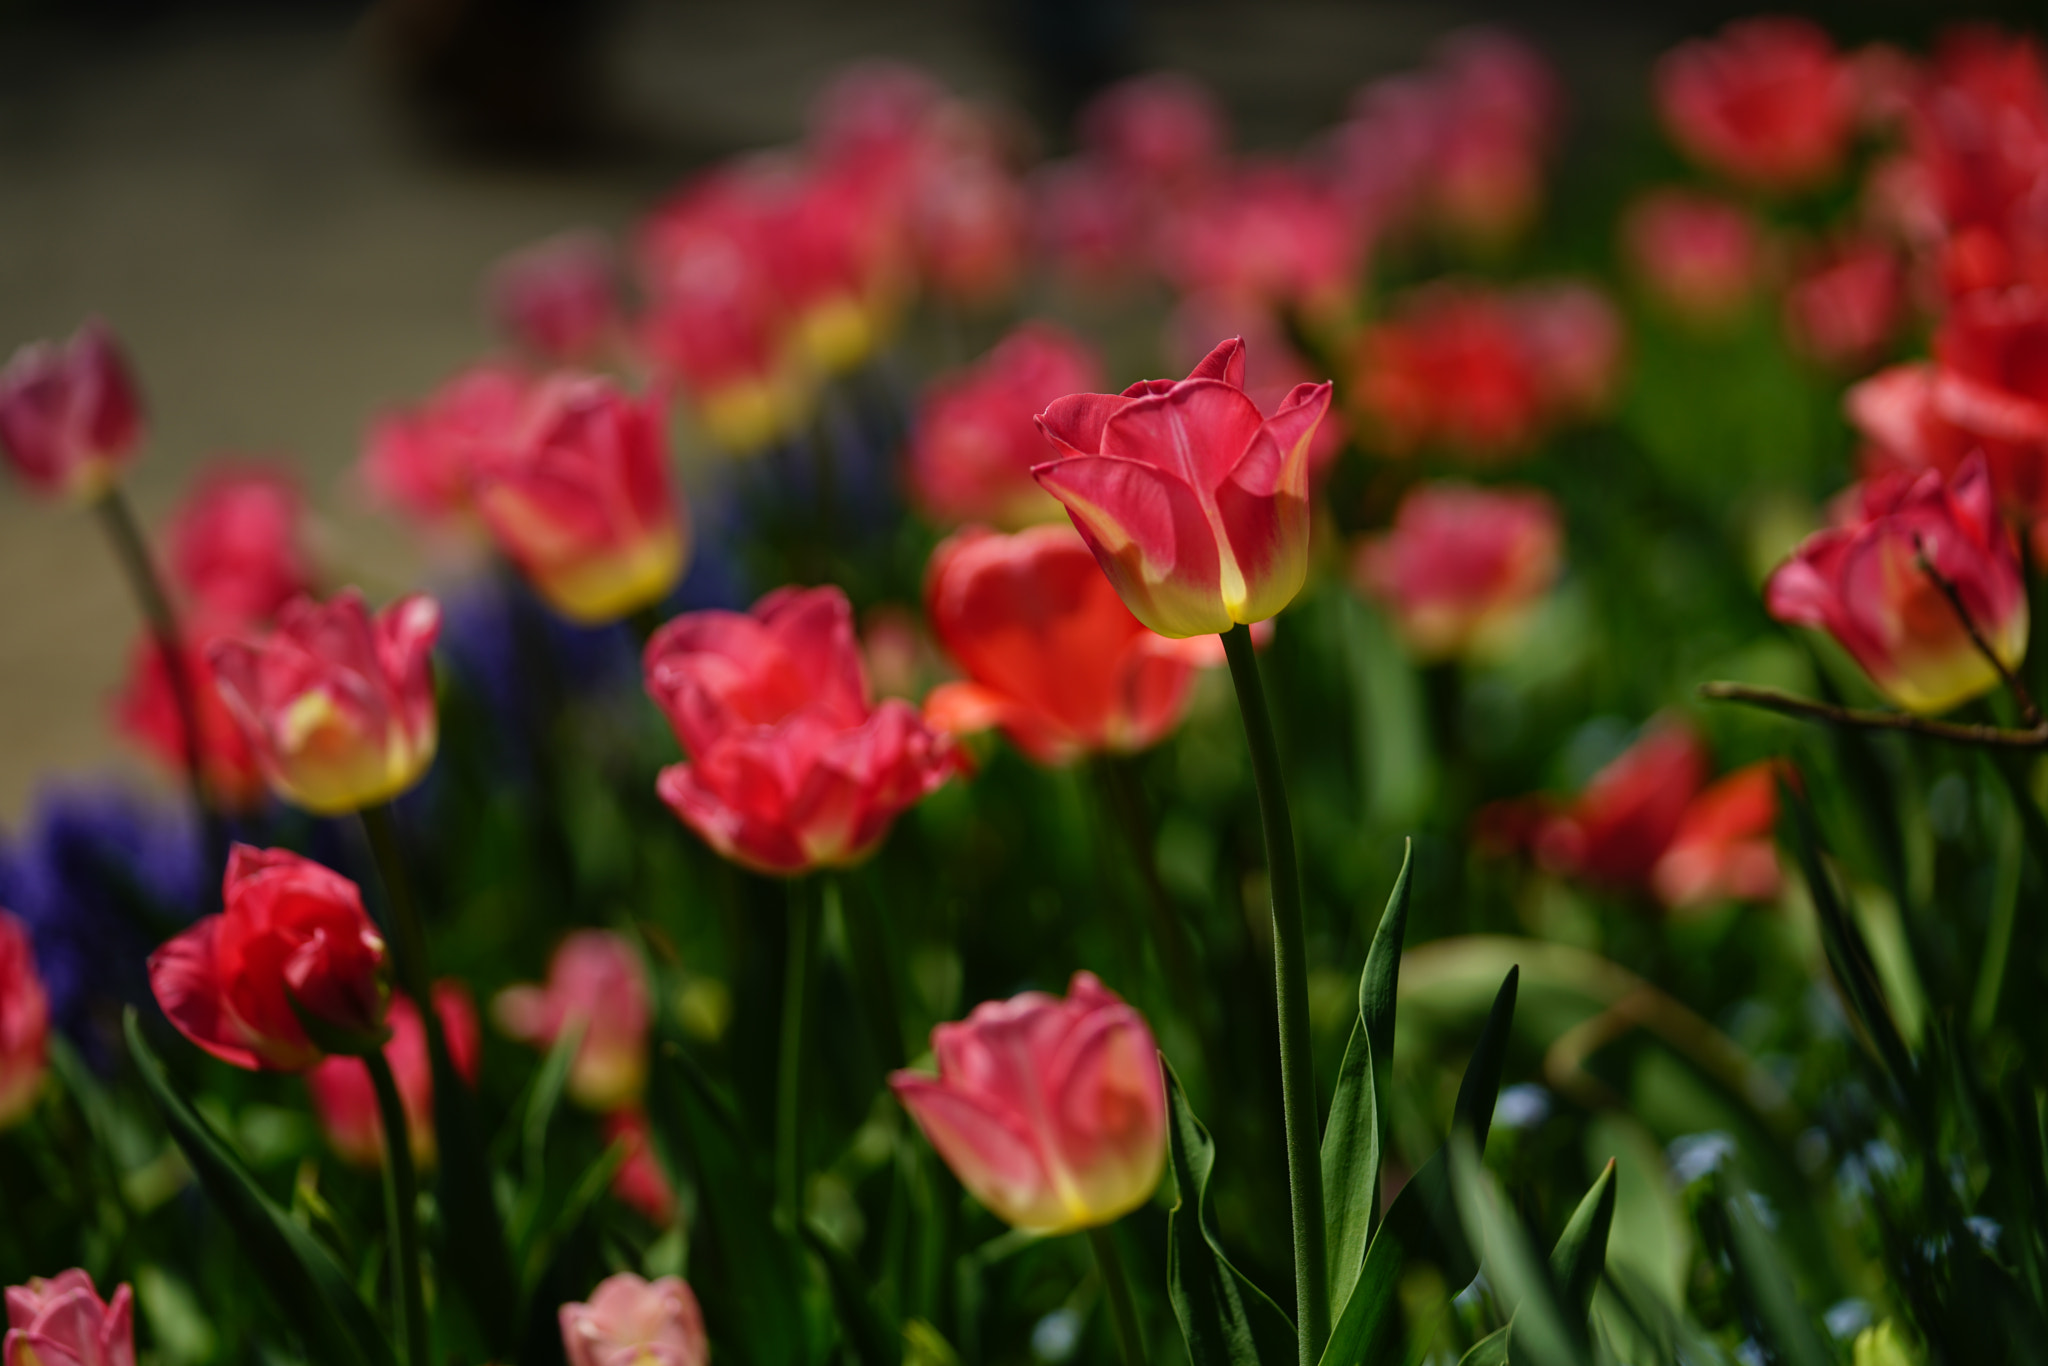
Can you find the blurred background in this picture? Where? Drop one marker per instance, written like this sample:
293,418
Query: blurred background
286,208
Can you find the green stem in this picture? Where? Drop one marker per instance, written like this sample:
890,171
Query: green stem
408,940
1290,974
2005,902
1123,1309
796,984
401,1213
873,976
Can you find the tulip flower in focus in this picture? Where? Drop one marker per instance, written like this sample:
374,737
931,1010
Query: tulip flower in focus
292,938
1051,653
580,500
558,299
338,705
1699,256
1723,848
1861,581
63,1321
1195,504
791,766
631,1322
1463,568
595,984
640,1184
70,416
420,460
1768,102
1616,831
147,712
1051,1112
24,1022
1846,305
236,543
346,1102
976,440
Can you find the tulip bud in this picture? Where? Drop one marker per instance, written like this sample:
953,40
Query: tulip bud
1195,505
346,1101
580,500
1768,102
1050,1111
339,706
69,414
595,984
63,1321
1051,653
1862,582
631,1322
24,1022
292,941
234,543
1463,567
791,764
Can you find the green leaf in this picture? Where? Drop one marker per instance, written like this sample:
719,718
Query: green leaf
1581,1252
873,1340
1355,1139
754,1299
335,1327
1422,1224
1491,1350
1767,1282
1226,1320
1541,1332
477,1260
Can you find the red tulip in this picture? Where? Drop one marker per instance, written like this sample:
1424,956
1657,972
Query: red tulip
1195,505
1723,849
1451,367
1272,234
1464,567
1615,832
1051,1112
976,439
631,1322
70,416
558,299
969,220
791,766
421,460
579,498
147,712
595,984
1090,219
24,1022
1700,256
1051,653
1847,304
1498,114
346,1102
1769,102
339,706
640,1183
1574,338
1164,131
292,938
1861,582
234,544
872,110
63,1321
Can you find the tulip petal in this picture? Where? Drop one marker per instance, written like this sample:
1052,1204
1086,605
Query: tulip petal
1200,430
993,1160
186,983
1224,362
1108,1119
1074,424
1148,532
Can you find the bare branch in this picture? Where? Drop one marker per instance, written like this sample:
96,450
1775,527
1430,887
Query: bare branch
1788,704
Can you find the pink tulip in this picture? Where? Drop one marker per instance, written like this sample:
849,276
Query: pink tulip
1768,102
1463,567
1861,582
1700,256
631,1322
70,416
596,984
346,1102
1051,1112
1847,302
421,460
63,1321
1165,131
640,1184
338,705
558,299
24,1022
975,441
147,712
236,543
791,765
579,498
1195,505
1270,234
969,221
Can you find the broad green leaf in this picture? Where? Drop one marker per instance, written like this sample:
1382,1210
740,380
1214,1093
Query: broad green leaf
1767,1283
755,1300
1580,1256
1422,1224
1491,1350
335,1327
1541,1332
1226,1320
1355,1140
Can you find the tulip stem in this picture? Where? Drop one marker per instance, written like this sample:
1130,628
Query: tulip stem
131,549
1123,1309
1956,732
1290,974
796,984
401,1213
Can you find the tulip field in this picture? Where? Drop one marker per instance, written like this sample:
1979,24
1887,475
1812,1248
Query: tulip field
1104,748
